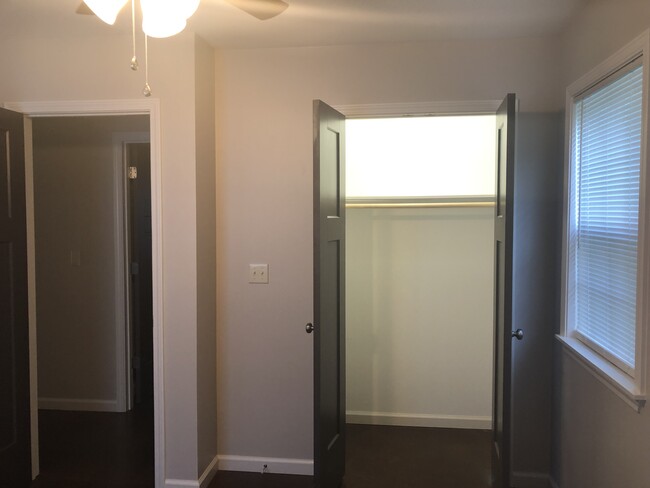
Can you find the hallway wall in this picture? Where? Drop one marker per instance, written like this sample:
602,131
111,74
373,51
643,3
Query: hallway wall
76,259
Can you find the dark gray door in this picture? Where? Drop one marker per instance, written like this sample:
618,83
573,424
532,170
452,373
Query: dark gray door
15,457
503,247
329,296
141,294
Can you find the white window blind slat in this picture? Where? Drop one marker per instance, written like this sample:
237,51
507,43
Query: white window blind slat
606,156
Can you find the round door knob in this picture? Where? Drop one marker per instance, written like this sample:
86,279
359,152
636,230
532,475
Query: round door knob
309,328
518,334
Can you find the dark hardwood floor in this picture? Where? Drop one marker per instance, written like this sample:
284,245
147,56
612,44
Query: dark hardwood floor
108,450
233,479
395,457
417,457
96,449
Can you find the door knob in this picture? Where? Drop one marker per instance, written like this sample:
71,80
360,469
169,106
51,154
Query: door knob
309,328
518,334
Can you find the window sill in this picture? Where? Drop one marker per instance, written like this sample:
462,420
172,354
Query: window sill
605,372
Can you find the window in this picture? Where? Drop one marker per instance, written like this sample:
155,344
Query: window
420,156
603,312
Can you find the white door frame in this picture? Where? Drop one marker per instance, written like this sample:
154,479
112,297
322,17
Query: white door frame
379,110
150,107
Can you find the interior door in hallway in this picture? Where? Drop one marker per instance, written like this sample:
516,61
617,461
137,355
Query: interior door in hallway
15,462
140,286
503,291
329,296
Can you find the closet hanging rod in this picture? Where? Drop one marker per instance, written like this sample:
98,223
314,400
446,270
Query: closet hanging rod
420,205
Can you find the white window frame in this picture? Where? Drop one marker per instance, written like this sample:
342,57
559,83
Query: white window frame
628,385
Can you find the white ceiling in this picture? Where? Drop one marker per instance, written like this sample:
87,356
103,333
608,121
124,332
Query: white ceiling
328,22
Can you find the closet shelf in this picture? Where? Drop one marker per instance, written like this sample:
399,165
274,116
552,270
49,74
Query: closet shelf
419,204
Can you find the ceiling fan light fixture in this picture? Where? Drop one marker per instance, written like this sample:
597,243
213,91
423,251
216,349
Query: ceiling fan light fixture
166,18
106,10
163,26
187,8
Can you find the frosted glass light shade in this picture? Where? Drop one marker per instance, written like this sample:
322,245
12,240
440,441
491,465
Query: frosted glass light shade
165,18
106,10
162,25
187,7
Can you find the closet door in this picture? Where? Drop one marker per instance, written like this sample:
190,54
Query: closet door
329,296
15,454
503,274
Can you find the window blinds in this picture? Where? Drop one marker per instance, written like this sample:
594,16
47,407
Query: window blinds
607,156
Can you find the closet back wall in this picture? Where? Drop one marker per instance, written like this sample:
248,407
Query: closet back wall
419,316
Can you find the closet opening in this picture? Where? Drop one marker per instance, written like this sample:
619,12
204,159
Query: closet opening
420,298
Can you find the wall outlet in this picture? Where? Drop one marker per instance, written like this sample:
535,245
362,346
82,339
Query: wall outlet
258,273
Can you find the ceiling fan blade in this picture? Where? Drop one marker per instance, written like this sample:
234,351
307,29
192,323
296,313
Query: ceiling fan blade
262,9
84,9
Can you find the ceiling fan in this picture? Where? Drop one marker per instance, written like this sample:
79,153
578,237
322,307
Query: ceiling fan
261,9
167,18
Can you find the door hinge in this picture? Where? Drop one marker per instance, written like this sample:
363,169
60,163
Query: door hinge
133,173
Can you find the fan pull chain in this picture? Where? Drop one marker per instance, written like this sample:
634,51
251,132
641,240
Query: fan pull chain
146,91
134,59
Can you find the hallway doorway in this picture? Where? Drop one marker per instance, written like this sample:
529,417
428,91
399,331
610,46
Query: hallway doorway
94,311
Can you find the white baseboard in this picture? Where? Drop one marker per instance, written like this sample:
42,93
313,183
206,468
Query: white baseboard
203,481
523,479
78,404
419,420
208,474
171,483
273,465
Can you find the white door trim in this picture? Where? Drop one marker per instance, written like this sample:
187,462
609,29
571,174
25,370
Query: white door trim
378,110
150,107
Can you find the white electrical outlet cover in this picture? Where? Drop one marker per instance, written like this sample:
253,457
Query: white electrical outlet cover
258,273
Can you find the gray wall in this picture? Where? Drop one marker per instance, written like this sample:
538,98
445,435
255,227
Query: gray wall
264,201
74,215
598,441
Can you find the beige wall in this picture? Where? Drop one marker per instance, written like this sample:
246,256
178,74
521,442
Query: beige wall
74,214
600,29
264,201
49,63
206,255
599,441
